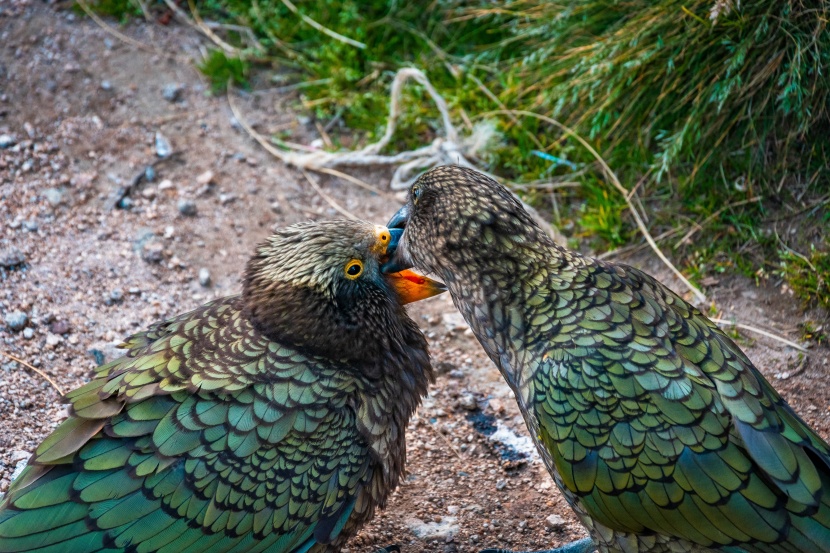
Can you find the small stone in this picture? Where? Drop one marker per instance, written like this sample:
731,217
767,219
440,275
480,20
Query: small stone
475,538
225,199
458,374
149,173
125,203
163,148
53,340
205,178
16,320
152,252
204,277
149,192
28,333
31,226
555,522
187,208
59,327
166,184
54,196
468,402
172,92
501,484
7,141
106,85
11,257
115,296
276,207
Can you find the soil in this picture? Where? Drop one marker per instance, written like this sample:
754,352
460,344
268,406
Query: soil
84,110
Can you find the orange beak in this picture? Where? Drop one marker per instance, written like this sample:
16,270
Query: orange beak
411,286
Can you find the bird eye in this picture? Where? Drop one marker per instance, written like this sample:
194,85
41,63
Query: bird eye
416,193
354,269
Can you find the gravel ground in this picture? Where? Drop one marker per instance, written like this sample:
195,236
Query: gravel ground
92,250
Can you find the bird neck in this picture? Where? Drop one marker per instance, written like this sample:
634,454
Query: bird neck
506,293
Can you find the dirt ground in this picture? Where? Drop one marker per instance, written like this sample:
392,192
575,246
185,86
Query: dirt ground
80,112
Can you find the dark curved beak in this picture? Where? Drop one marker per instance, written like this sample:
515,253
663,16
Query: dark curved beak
396,225
399,219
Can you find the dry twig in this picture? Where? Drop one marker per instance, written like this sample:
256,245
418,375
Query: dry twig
324,30
114,32
38,371
340,209
757,330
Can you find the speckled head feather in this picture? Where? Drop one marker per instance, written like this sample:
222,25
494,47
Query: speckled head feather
656,427
298,291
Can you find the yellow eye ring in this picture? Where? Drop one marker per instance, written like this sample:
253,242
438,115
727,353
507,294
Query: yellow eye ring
353,269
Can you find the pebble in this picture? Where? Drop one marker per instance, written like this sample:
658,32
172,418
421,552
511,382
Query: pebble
152,252
54,196
115,296
59,327
106,85
7,141
555,521
28,333
204,277
187,208
163,148
205,178
16,320
53,340
31,226
166,184
225,199
501,484
11,257
468,402
276,207
172,92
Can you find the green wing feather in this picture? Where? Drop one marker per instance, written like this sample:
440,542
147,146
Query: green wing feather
205,436
659,422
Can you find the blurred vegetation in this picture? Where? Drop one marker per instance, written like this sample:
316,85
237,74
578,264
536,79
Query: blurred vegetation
715,111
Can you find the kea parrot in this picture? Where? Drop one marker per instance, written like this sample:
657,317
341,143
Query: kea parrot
271,421
659,431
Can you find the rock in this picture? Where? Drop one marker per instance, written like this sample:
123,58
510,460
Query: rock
276,207
555,522
54,196
7,141
225,199
205,178
28,333
106,85
433,530
31,226
53,340
16,320
172,92
187,208
115,296
59,327
163,148
11,257
204,277
468,402
166,184
152,252
501,484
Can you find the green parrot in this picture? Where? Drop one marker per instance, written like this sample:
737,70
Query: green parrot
656,427
271,421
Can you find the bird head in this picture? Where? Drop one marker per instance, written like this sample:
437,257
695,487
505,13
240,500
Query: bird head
460,223
319,286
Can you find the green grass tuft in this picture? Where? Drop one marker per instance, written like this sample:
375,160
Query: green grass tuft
221,69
